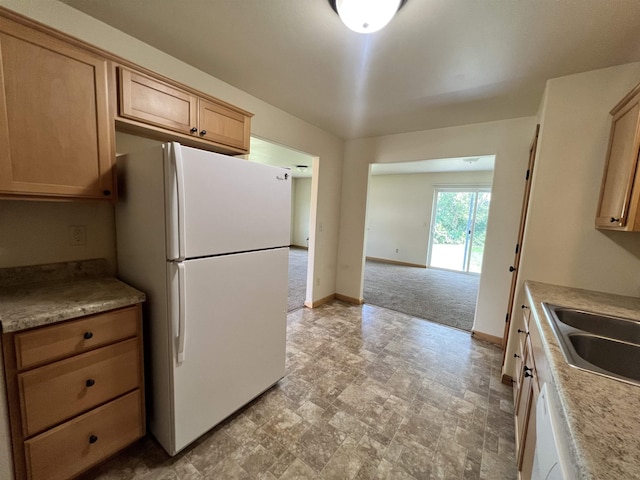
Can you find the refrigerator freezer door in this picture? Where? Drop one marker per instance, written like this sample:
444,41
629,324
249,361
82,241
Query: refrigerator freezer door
234,332
218,204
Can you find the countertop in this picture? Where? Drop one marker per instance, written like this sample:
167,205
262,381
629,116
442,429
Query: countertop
602,415
45,294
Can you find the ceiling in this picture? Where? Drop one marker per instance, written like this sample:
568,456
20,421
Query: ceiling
269,153
482,163
438,63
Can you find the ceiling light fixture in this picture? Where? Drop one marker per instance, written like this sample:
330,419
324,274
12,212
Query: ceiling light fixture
471,160
366,16
301,168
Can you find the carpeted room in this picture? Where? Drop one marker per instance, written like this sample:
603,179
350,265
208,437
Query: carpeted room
400,207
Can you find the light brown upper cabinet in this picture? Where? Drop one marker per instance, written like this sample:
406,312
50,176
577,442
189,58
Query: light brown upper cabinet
619,205
56,140
165,110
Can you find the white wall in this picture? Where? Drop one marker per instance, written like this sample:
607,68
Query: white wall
561,244
301,212
33,233
507,139
269,123
399,209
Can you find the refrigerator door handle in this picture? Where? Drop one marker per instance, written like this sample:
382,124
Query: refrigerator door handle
177,158
181,312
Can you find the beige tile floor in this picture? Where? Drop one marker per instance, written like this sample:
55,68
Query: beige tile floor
369,393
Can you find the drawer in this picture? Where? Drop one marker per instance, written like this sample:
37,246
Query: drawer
70,338
67,450
56,392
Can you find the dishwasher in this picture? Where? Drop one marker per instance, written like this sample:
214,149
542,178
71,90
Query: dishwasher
548,463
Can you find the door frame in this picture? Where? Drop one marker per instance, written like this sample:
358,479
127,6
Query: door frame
515,267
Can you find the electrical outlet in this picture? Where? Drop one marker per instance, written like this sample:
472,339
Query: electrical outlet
77,235
318,282
396,250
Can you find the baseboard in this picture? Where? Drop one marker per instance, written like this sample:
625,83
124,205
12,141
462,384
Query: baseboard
486,337
317,303
354,301
395,262
506,379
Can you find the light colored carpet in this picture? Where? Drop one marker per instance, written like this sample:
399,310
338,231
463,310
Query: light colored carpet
297,278
445,297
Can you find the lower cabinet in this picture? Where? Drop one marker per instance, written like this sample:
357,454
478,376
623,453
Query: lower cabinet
526,394
75,392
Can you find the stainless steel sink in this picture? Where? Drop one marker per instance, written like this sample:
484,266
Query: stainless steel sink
602,344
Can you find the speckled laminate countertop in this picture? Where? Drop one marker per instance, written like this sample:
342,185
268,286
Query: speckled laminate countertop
602,415
41,295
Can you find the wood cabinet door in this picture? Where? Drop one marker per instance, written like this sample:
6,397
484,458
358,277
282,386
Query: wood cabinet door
55,133
621,167
223,125
151,101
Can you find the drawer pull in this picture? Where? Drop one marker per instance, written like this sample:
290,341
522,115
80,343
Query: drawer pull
91,382
93,439
88,335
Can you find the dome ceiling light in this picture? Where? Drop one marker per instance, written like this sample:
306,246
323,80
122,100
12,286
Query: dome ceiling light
366,16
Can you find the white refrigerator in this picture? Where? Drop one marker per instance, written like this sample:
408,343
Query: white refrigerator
206,237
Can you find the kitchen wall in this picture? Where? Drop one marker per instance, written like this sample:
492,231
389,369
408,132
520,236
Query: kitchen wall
269,123
508,140
301,212
34,233
399,209
561,245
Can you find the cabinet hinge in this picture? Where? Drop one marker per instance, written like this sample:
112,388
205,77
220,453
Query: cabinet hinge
517,247
526,177
506,318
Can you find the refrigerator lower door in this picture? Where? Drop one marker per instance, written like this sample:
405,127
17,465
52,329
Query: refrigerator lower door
232,337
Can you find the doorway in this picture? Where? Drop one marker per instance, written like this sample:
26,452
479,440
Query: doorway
303,168
400,210
459,228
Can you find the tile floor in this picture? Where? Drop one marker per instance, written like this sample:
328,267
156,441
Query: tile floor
369,393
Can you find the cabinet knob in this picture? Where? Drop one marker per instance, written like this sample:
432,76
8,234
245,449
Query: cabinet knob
515,355
527,369
528,374
523,306
193,130
88,335
523,331
512,268
93,439
90,382
203,132
106,193
614,220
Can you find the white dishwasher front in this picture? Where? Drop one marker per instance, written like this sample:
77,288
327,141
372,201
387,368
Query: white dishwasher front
547,463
